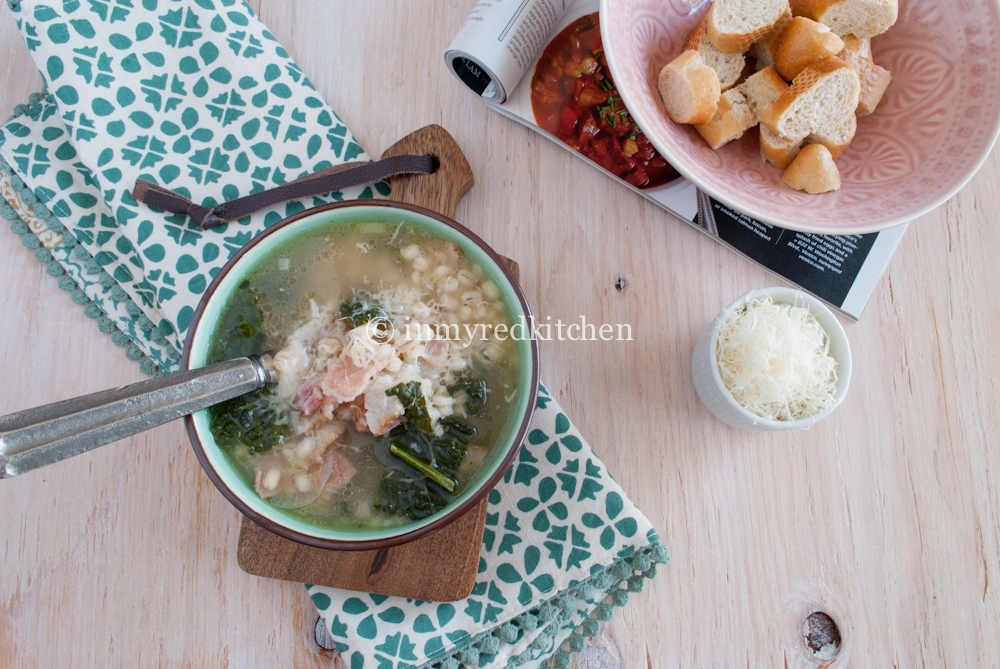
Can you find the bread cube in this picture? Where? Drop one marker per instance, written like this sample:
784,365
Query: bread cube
813,171
777,150
689,88
874,81
728,66
766,50
862,18
821,97
838,138
732,118
861,48
734,25
805,43
762,89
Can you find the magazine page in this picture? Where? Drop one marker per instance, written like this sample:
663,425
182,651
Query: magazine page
842,270
499,41
579,23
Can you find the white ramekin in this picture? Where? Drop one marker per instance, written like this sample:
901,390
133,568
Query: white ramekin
720,401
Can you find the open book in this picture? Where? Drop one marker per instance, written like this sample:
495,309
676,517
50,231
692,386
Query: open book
510,53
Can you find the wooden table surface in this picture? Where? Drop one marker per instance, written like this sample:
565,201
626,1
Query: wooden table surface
886,515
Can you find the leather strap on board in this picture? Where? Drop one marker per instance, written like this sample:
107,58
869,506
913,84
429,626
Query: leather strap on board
324,181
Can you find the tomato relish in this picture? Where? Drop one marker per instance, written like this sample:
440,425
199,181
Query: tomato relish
574,98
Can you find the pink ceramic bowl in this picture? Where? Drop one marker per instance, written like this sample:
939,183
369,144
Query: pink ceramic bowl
931,133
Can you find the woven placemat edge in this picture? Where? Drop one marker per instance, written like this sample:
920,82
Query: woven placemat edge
616,580
30,240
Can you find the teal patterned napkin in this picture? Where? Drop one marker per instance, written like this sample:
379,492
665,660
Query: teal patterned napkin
563,546
196,95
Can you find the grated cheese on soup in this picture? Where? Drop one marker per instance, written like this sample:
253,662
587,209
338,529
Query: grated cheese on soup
775,360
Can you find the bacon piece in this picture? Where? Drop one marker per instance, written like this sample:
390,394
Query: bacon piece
308,425
384,424
436,353
344,380
327,434
303,424
309,397
338,471
353,411
382,412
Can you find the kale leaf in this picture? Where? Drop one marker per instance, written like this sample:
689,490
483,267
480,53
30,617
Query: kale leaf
362,310
419,496
444,453
425,468
456,430
475,391
251,420
240,333
414,404
402,494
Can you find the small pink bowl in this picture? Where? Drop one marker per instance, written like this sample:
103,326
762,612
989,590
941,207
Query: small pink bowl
932,131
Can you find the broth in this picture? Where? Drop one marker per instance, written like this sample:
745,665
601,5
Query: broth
392,388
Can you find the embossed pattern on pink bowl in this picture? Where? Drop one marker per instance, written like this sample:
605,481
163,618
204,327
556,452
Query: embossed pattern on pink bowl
931,133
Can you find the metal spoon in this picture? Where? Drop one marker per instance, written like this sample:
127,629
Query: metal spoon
41,436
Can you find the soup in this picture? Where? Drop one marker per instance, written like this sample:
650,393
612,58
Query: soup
574,97
396,375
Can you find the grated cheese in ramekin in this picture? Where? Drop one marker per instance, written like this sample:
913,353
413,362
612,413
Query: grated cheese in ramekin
775,360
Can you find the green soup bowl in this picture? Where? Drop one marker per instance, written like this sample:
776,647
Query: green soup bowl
274,240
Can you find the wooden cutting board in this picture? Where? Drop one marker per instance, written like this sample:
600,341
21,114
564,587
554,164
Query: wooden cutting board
442,566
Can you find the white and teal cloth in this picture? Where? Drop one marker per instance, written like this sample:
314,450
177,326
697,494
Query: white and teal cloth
197,96
563,546
193,95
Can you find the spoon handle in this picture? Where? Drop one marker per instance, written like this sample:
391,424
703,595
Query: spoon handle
41,436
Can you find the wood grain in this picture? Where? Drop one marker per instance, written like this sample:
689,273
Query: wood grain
886,515
414,570
442,190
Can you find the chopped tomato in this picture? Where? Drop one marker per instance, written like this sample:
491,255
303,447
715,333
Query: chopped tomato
568,122
574,98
